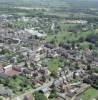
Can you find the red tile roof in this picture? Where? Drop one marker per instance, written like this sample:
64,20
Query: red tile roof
12,72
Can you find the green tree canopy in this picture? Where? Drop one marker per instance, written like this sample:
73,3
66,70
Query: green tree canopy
40,96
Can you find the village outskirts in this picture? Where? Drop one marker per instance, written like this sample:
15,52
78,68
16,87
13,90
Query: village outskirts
32,66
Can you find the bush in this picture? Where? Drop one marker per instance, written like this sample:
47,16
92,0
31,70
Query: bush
93,38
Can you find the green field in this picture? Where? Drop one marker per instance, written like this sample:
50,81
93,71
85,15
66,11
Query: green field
54,64
64,35
89,94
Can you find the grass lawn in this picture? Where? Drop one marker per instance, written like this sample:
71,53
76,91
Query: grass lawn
59,37
54,64
89,94
64,35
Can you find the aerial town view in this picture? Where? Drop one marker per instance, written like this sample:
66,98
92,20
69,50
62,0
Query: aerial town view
48,49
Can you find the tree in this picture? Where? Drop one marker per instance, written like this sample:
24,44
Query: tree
74,75
96,98
40,96
53,93
92,80
91,46
54,74
1,99
81,39
88,67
